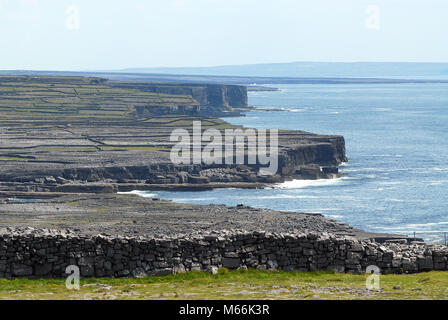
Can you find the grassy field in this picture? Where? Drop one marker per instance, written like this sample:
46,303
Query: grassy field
249,284
76,98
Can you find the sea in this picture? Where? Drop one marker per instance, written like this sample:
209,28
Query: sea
396,179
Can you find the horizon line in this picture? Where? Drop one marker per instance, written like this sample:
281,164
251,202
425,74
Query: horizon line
226,65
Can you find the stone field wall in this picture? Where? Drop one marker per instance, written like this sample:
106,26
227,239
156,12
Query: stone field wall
29,252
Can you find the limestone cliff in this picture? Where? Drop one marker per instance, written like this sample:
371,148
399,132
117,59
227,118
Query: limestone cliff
211,97
58,133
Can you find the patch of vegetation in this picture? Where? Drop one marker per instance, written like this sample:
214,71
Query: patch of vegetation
67,149
250,284
138,148
16,158
187,122
76,98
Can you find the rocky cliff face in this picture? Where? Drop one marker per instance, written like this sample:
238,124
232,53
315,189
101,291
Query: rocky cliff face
301,161
324,151
209,96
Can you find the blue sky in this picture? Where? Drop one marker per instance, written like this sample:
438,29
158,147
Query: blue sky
112,34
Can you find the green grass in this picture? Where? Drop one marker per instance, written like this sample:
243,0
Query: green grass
138,148
16,158
249,284
67,149
23,97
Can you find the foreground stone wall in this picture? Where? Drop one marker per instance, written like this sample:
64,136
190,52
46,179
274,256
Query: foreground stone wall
46,253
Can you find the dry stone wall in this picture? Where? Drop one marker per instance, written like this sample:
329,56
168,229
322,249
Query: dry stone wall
28,252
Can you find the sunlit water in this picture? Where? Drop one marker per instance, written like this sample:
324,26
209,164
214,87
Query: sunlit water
397,145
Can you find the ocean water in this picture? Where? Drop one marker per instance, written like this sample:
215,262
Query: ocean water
396,136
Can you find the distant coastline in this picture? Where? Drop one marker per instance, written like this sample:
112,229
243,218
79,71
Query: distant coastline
228,80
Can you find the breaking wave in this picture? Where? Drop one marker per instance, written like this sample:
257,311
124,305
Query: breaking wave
144,194
298,184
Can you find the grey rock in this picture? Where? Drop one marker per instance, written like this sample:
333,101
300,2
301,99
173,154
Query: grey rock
21,270
231,263
212,269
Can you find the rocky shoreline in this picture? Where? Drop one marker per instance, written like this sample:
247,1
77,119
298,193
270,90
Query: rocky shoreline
132,215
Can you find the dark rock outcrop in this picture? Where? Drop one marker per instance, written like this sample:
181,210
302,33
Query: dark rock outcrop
211,97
